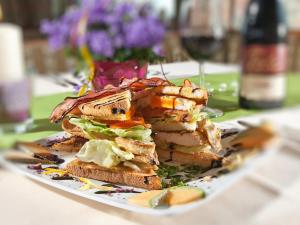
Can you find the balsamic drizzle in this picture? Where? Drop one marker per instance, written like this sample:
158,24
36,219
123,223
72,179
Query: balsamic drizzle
110,185
216,163
117,191
63,177
171,157
109,101
229,134
146,180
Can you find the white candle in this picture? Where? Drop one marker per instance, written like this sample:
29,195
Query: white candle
12,66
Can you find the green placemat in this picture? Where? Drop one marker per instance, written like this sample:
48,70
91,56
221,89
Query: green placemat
43,106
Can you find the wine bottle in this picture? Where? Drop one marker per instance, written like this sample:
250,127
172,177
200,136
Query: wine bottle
264,55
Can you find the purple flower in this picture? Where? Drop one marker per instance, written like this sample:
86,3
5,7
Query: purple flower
111,26
145,10
100,43
125,11
98,10
60,31
158,50
144,32
118,41
135,34
90,4
57,42
47,27
156,30
57,34
72,16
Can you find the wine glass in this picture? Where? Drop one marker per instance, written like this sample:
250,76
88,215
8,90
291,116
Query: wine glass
202,34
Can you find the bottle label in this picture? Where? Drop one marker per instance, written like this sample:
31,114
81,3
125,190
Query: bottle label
263,88
265,59
263,69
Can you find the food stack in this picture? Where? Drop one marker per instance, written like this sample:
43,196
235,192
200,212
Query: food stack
119,147
181,131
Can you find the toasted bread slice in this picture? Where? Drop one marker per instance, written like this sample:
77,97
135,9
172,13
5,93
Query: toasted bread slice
160,113
72,144
149,159
23,157
37,150
172,102
160,125
72,130
166,114
136,147
143,151
166,102
205,159
184,138
146,178
184,149
198,94
112,107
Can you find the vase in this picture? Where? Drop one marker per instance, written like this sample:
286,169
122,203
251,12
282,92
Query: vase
110,72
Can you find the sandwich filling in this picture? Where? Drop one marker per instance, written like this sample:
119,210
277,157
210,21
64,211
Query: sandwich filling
93,128
116,135
103,153
178,124
108,147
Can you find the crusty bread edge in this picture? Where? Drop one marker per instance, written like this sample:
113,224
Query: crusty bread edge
82,169
105,111
197,94
203,159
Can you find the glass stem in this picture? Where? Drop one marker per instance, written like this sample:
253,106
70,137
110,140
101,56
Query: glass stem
201,74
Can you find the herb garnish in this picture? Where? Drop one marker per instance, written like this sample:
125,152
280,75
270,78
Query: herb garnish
177,175
165,170
193,169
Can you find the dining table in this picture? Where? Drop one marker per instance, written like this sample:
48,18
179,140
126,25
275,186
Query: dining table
268,195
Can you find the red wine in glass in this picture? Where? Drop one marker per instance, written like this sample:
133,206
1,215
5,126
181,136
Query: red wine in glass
202,47
201,34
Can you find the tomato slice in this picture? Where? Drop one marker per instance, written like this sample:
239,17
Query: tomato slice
127,123
130,113
163,102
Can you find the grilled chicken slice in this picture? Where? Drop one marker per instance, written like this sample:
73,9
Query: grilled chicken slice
150,159
136,147
184,138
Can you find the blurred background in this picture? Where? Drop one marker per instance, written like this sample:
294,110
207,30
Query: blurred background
40,59
28,98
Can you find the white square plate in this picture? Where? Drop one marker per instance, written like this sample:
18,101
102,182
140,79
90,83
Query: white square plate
212,187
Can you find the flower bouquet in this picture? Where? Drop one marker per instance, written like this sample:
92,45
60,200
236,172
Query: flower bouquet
119,38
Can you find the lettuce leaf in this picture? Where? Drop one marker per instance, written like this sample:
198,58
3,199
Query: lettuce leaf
104,153
89,127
